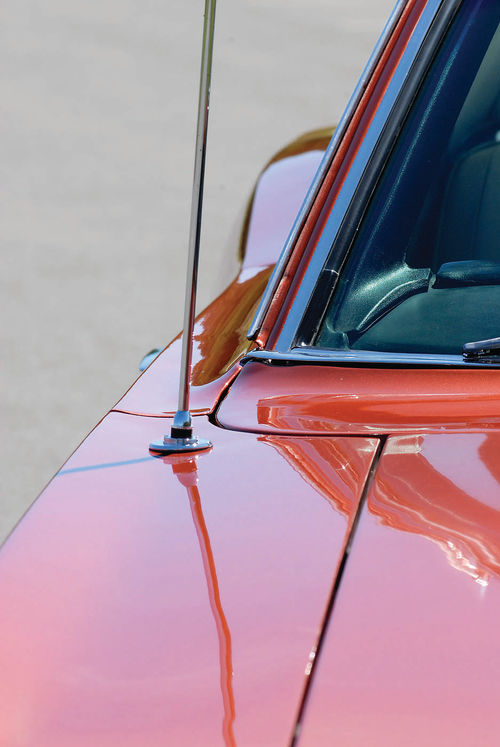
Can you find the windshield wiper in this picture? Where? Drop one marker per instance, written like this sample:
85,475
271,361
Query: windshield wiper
483,351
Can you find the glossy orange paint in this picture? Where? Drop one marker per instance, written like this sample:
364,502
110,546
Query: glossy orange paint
278,196
219,341
161,601
337,172
412,652
335,399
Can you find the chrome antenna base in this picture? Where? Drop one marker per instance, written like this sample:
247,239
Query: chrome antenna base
179,445
181,440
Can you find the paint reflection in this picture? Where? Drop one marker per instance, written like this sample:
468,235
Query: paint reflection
227,320
328,400
334,467
419,488
185,469
413,495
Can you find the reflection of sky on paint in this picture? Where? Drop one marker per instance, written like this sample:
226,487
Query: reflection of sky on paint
105,465
249,272
463,467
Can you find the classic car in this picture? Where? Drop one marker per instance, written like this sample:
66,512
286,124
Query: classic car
328,572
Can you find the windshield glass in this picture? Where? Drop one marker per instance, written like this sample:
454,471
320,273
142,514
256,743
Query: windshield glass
423,274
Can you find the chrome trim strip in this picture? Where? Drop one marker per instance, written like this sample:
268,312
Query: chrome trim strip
317,356
322,169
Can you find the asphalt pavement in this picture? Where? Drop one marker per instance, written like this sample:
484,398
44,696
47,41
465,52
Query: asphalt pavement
98,104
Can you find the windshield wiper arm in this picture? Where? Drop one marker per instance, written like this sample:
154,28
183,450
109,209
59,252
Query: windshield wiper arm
484,351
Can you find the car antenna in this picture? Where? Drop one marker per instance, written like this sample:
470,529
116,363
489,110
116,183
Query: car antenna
181,437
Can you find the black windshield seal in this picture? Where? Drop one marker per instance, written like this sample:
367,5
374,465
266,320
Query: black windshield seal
359,359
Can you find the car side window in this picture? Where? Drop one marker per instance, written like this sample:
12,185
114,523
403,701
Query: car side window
423,274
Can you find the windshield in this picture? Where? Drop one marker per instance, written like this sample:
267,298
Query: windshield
423,274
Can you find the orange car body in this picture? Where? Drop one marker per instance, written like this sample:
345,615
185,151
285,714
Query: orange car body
329,573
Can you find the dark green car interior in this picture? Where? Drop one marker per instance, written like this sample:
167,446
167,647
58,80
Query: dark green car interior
423,274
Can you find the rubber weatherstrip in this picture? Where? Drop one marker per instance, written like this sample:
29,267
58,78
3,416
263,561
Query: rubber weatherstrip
314,657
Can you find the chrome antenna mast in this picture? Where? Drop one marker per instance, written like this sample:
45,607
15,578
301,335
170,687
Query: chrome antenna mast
181,437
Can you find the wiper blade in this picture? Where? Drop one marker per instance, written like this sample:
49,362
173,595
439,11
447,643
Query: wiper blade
485,351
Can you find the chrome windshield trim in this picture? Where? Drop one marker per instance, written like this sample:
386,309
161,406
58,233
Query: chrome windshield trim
316,356
322,169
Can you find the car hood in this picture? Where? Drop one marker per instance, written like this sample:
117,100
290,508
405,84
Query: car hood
202,600
147,600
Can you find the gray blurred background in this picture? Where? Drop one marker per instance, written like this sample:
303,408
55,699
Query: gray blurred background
98,108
